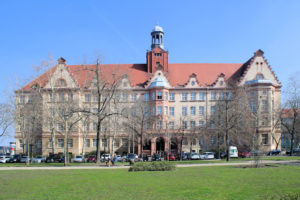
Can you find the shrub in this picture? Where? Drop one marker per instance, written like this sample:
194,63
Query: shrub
152,166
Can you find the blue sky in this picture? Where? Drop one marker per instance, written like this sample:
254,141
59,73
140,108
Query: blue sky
196,31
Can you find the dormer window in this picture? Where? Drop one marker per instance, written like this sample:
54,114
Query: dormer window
157,63
61,83
157,54
193,83
259,77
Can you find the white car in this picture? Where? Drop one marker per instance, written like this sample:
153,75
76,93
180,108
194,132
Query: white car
4,159
207,155
105,157
195,156
79,159
39,159
25,159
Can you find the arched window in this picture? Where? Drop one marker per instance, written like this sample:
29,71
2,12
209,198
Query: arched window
259,77
61,83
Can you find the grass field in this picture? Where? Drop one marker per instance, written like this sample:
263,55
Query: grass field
183,183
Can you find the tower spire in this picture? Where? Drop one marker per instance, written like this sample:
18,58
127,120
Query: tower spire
157,37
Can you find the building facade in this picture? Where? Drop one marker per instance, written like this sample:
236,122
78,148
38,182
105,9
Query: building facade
179,97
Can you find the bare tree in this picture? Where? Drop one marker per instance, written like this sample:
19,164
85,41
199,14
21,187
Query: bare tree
6,118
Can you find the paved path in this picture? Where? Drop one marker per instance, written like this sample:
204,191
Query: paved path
126,167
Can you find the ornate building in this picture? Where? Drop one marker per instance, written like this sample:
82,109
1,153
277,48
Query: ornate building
182,98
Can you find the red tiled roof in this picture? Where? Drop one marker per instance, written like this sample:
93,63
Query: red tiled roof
137,74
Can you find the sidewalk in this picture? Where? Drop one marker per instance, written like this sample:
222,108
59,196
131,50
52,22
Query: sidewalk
126,167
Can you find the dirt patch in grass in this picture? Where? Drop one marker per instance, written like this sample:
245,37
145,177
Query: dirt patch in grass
260,166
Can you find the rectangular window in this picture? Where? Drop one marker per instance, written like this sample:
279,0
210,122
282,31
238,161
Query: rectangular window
166,96
117,142
87,142
39,143
21,143
124,97
166,110
96,98
146,111
60,127
22,99
159,110
87,127
29,100
184,111
50,143
213,140
201,123
60,143
133,97
104,142
201,96
213,96
146,96
252,106
264,105
184,96
212,124
172,111
193,110
221,96
229,95
94,126
201,110
184,141
87,97
61,96
171,125
264,138
265,92
70,96
212,110
172,96
70,143
94,142
193,96
153,96
193,124
184,124
159,96
159,125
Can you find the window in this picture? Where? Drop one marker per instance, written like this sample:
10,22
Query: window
60,127
153,110
212,110
213,96
146,111
133,112
87,127
29,100
159,96
252,94
264,138
259,77
221,96
153,96
125,142
184,111
52,112
50,143
87,97
172,111
201,96
166,110
172,96
171,125
104,142
265,92
201,123
264,105
184,124
213,140
252,106
94,126
146,96
61,96
193,124
194,141
61,83
184,141
166,96
60,143
193,110
193,96
21,143
184,96
159,110
96,98
125,97
87,143
212,124
117,142
70,143
70,97
94,142
157,63
95,110
159,125
201,110
229,95
133,97
22,99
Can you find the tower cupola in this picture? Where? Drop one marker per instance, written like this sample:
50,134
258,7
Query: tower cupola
157,37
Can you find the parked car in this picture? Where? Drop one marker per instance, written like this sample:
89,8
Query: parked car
207,155
4,159
256,153
15,158
131,158
105,157
92,158
233,152
172,157
156,157
296,152
195,156
79,159
124,158
39,159
25,159
55,158
244,153
274,152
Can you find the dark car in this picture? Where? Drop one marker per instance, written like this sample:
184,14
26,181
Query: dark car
16,158
244,153
156,157
92,158
172,157
296,152
55,158
274,152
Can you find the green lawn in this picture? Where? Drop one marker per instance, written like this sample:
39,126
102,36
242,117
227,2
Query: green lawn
184,183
